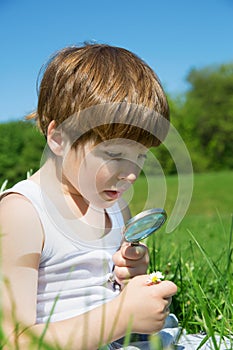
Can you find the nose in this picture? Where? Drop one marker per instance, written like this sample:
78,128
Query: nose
128,177
129,173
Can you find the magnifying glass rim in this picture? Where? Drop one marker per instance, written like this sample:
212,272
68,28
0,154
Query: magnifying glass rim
145,213
141,216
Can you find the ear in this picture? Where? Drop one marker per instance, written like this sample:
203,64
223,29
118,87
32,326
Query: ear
54,139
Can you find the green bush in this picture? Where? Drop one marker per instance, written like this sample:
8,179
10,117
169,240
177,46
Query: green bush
21,147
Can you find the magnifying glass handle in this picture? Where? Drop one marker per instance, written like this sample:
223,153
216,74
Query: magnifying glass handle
112,279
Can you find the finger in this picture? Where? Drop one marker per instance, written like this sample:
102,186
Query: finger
131,264
166,311
165,289
122,261
134,252
169,300
124,273
167,304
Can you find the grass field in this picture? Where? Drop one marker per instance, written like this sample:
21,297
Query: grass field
208,217
197,255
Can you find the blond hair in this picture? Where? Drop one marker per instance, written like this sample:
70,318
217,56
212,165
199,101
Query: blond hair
78,78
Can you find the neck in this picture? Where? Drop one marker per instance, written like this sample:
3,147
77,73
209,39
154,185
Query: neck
71,205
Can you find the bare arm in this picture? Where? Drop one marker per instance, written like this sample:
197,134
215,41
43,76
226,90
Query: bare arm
21,245
22,240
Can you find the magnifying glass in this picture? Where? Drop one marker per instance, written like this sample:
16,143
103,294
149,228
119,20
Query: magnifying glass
143,225
140,227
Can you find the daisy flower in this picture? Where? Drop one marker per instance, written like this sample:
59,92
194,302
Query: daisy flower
154,278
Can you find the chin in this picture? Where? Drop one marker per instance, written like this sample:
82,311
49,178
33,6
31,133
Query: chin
103,204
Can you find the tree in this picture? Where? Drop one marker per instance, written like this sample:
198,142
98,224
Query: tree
206,117
21,147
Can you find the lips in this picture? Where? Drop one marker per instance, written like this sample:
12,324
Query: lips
113,194
116,193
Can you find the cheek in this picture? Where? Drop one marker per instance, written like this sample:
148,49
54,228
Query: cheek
70,168
98,178
91,177
102,176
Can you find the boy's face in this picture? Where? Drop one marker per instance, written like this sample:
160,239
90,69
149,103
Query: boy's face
102,173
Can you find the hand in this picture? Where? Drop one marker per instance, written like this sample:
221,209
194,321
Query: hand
130,261
146,306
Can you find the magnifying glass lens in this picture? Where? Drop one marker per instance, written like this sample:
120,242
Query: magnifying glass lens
144,224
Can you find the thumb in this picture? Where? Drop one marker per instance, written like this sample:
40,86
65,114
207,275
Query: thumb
165,289
133,252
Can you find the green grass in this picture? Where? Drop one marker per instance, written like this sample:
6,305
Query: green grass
208,216
197,255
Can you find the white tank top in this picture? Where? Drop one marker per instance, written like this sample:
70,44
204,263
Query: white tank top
73,274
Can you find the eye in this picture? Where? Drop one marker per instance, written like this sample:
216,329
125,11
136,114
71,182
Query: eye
141,159
142,156
113,155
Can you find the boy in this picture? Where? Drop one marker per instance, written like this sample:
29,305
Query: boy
100,109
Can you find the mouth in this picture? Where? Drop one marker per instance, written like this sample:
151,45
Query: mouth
113,194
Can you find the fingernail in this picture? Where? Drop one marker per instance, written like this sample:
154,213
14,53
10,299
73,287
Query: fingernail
139,250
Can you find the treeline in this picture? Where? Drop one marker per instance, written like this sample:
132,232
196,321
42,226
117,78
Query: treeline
21,146
203,116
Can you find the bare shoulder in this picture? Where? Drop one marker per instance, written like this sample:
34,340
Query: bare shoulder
12,198
18,217
16,206
124,209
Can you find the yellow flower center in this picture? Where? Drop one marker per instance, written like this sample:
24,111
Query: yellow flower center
154,279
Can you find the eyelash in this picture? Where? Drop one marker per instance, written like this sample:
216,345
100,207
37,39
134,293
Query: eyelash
143,156
118,155
114,155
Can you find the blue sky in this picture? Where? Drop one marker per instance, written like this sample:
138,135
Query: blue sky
172,36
